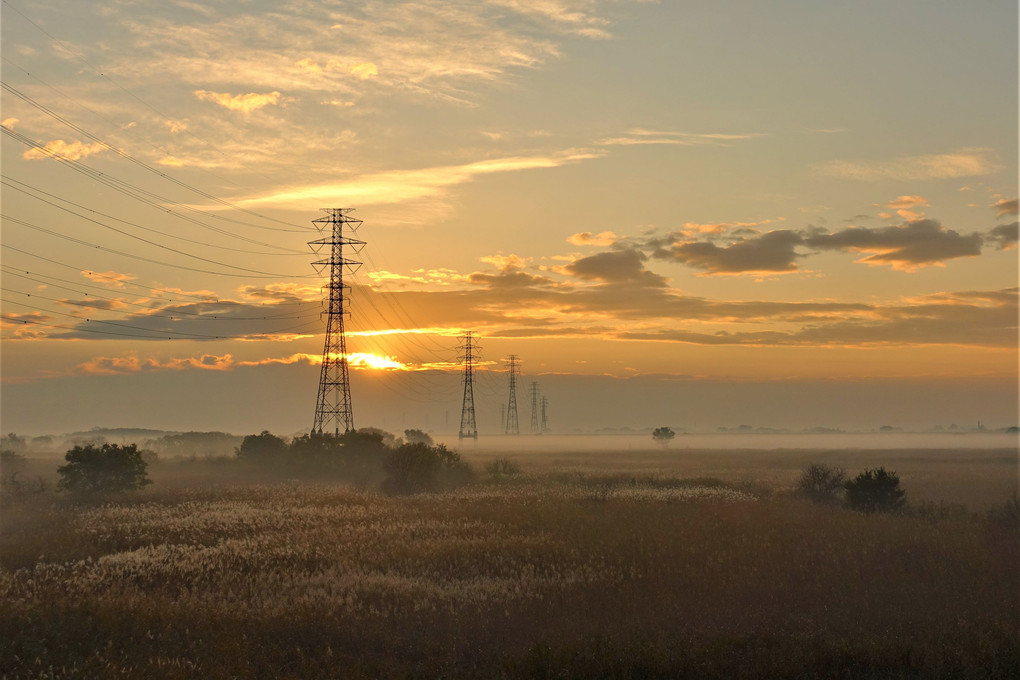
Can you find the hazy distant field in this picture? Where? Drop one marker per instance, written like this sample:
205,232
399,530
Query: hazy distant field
653,563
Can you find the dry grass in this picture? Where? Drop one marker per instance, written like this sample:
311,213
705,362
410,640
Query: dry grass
568,575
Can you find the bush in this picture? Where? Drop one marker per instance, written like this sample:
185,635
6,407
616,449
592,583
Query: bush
822,483
876,490
419,468
102,469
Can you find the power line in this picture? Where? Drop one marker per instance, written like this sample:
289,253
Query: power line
159,173
85,270
249,273
27,189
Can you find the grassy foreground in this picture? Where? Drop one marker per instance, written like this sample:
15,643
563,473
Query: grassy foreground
539,577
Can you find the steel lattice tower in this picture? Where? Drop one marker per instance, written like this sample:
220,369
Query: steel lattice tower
534,408
545,423
467,411
333,413
513,366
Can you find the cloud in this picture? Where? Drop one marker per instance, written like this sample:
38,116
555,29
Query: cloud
573,17
110,278
962,163
245,103
9,123
587,238
773,252
1004,236
920,243
904,207
906,202
621,266
279,318
509,279
1005,206
642,136
398,186
176,126
74,151
135,364
361,70
94,303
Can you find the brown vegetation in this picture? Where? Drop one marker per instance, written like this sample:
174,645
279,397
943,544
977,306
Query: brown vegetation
571,575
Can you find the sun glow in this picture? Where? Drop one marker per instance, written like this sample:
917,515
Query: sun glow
376,362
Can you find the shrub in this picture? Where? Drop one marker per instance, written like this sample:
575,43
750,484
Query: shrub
419,468
822,483
875,490
102,469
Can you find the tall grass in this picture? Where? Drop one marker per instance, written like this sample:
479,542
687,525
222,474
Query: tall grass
659,578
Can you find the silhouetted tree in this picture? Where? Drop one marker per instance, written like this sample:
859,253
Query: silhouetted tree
822,483
102,469
418,437
418,468
261,447
876,490
663,435
12,442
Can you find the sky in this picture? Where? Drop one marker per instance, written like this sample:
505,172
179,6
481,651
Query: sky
697,214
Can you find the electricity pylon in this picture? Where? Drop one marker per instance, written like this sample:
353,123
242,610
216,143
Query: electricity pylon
468,355
333,405
545,422
513,366
534,407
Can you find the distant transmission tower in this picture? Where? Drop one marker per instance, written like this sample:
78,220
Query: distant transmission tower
534,407
513,366
333,413
468,355
545,422
502,417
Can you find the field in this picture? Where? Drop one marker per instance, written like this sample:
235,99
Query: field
634,564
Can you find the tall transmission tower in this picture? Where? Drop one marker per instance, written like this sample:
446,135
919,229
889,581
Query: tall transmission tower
513,366
468,355
545,422
333,413
534,407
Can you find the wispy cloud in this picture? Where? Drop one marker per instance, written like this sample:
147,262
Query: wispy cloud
73,150
962,163
643,136
398,186
245,103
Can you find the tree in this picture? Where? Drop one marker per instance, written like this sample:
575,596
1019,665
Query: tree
876,490
418,468
101,469
663,435
12,442
261,447
418,437
822,483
